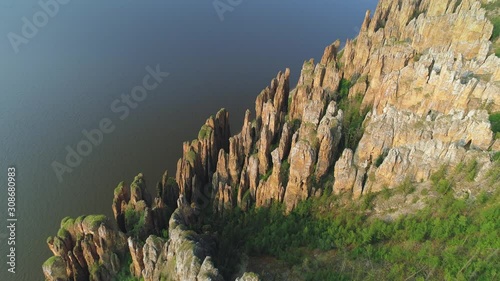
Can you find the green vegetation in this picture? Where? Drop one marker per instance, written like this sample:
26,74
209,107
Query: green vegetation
380,159
294,125
417,57
471,169
440,182
205,132
124,274
493,174
345,86
50,261
450,239
285,172
67,223
267,174
94,221
492,12
94,269
134,222
386,193
406,187
495,124
191,157
119,188
62,233
354,115
352,127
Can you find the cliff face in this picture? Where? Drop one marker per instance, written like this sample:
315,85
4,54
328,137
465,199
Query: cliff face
425,73
412,93
85,248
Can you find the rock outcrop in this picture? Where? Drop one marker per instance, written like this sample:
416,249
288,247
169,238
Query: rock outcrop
85,248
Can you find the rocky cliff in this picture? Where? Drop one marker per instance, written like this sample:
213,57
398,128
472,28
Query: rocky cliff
414,92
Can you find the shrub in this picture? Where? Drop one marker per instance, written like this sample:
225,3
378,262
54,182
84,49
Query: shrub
344,87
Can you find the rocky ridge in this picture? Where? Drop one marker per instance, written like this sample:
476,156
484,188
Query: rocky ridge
425,72
412,93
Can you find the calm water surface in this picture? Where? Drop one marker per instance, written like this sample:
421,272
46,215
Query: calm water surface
91,52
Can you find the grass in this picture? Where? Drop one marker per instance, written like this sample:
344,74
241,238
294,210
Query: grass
124,274
354,115
345,86
285,172
493,174
352,124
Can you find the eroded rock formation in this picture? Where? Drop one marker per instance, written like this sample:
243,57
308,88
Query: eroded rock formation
423,71
427,73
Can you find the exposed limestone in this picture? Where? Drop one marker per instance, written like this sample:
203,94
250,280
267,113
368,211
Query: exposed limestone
345,173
